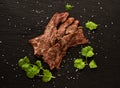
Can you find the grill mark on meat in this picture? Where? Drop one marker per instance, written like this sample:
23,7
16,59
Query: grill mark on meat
53,44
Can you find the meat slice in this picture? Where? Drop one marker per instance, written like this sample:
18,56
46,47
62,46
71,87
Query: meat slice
78,38
62,28
55,54
60,34
43,42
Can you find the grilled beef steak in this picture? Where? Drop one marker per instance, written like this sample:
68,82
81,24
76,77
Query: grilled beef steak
60,34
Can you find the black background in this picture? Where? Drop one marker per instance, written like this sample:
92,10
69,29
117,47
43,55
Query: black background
21,20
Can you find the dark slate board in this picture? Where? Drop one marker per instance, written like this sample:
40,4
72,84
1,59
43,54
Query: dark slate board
21,20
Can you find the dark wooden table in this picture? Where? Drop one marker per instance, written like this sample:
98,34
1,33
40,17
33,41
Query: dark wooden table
21,20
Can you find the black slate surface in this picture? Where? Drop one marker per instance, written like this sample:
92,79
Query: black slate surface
21,20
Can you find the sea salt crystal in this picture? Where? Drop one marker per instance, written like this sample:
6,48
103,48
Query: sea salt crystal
98,3
8,19
92,16
92,37
93,32
3,55
23,18
17,2
101,47
41,11
71,59
89,33
98,40
68,71
41,21
73,77
101,8
38,23
16,76
106,57
96,53
33,10
37,11
63,61
68,78
68,58
0,41
12,65
101,33
81,16
23,50
49,5
62,66
29,29
37,1
106,26
54,86
84,9
66,87
111,22
77,78
33,80
23,36
2,77
77,3
47,18
25,31
15,26
58,75
33,85
6,62
14,69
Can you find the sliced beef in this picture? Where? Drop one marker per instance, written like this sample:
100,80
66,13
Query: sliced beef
62,28
43,42
55,41
55,54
